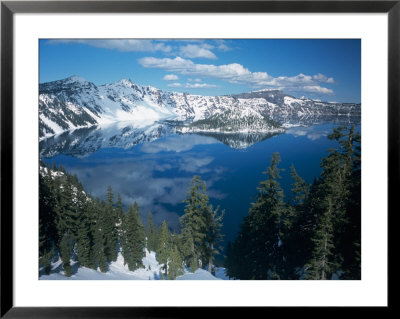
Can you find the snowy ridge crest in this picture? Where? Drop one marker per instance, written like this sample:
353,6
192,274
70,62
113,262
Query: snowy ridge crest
74,103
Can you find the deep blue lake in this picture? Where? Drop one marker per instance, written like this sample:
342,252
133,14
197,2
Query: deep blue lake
156,173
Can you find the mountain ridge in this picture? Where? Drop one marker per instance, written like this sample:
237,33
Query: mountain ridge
74,102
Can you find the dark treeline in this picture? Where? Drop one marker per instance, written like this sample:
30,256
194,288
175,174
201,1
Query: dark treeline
75,226
313,235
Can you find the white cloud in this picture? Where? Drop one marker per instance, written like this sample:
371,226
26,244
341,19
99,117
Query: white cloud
317,89
170,77
231,72
322,78
122,45
222,46
197,51
237,73
175,85
199,85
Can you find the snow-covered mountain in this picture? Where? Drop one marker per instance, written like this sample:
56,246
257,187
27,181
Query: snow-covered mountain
75,103
239,119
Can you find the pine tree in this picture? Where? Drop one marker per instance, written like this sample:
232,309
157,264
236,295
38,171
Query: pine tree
187,248
84,242
45,254
295,229
111,228
175,263
133,241
164,247
119,212
84,233
336,237
99,256
94,213
66,221
151,234
265,222
257,250
48,235
193,222
347,220
299,187
66,246
107,226
64,207
213,235
321,265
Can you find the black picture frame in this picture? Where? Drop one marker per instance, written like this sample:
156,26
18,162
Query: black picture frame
9,8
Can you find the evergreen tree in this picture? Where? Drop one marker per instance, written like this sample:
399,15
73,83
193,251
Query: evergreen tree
48,235
66,246
193,222
164,246
107,227
99,258
45,254
133,243
65,208
84,242
299,187
175,263
322,265
188,249
295,231
213,235
66,221
84,233
111,227
337,234
119,212
257,251
265,222
151,234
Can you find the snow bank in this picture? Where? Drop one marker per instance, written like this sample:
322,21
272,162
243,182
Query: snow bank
118,271
199,274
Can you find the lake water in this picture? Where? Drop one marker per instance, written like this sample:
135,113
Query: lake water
154,166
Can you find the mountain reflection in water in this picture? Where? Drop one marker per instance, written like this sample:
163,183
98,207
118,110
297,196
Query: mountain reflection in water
153,165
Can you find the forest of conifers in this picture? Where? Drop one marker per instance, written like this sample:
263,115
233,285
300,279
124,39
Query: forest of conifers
312,233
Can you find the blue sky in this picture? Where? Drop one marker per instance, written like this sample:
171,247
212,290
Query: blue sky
329,70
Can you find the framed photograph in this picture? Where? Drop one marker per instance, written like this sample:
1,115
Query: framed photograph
160,155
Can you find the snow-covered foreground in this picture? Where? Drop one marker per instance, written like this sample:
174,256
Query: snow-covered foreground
119,271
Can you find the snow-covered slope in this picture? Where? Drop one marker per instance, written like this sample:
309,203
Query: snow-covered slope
119,271
241,119
199,274
74,102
